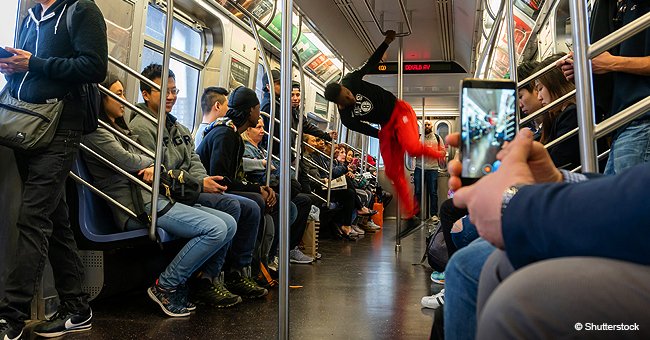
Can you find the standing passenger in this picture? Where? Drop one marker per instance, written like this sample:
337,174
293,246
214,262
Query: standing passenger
51,65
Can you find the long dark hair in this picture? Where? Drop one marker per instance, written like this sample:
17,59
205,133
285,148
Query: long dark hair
557,86
119,123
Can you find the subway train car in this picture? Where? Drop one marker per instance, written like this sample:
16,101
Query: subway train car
356,239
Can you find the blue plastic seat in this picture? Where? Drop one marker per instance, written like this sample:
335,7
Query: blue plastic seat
96,218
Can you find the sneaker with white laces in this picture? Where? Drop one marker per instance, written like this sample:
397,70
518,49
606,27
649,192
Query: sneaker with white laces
373,226
9,332
297,256
358,230
434,301
65,321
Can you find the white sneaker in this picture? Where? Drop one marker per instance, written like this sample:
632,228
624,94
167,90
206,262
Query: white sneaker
273,265
434,301
372,225
358,230
296,256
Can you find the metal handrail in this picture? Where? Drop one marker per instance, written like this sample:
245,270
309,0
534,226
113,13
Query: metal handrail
600,157
276,120
102,194
623,117
126,139
161,127
490,42
115,167
269,75
127,104
315,149
277,140
406,19
619,35
561,138
548,107
315,164
542,71
512,50
134,73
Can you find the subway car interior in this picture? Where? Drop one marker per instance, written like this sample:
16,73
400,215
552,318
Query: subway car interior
377,274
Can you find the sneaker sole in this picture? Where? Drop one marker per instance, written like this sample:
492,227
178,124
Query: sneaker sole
301,261
440,282
239,300
73,330
153,297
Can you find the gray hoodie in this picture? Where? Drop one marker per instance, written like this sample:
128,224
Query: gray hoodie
110,181
178,145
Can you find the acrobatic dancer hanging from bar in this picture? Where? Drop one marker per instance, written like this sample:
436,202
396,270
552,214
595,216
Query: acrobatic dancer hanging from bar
359,103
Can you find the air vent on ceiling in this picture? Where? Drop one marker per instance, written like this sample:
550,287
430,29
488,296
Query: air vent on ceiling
351,15
445,8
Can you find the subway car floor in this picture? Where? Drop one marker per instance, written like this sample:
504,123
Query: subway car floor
359,290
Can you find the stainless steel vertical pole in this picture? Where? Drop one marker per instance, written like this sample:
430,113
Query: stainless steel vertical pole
512,52
583,81
162,118
285,165
423,190
400,95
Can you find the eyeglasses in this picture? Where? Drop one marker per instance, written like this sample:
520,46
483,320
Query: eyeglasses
173,91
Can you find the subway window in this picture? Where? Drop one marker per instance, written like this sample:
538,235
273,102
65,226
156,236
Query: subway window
7,35
187,81
184,38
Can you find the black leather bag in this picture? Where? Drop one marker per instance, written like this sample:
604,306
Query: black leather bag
180,186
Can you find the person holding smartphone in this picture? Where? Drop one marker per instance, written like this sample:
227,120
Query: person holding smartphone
359,103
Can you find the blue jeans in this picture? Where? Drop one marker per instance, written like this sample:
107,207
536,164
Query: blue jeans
431,181
208,231
240,252
461,289
466,236
631,147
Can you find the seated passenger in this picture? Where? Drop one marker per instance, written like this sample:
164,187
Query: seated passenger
555,123
252,137
570,247
344,197
214,104
207,230
528,101
180,154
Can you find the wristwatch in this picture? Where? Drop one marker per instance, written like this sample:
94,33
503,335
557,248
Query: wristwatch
508,194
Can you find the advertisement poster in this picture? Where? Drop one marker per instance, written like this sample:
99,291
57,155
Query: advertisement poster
314,60
501,61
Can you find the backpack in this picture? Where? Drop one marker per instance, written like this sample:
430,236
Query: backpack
88,93
180,186
436,252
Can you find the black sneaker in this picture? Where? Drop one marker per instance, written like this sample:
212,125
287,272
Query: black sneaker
172,301
204,292
65,321
241,283
184,290
8,332
413,224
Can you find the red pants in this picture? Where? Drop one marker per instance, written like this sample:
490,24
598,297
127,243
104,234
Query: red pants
397,136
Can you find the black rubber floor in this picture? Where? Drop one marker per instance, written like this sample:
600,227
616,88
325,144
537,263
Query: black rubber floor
360,290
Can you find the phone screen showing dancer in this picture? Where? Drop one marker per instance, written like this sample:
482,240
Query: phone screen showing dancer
488,119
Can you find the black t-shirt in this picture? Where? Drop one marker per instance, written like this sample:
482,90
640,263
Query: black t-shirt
630,88
373,103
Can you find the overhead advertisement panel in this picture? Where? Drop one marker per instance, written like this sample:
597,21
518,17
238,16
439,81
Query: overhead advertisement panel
314,61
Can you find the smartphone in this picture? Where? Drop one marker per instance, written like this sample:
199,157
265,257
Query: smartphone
5,54
488,116
225,181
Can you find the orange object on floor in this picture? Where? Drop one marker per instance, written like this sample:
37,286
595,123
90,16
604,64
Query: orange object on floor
378,218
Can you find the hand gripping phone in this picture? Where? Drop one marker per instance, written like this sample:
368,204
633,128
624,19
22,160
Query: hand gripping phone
488,117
